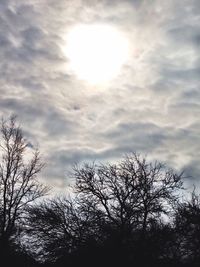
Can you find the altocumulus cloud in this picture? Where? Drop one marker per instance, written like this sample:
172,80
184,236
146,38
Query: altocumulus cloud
151,107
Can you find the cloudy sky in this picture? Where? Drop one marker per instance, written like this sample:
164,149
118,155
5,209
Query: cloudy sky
151,106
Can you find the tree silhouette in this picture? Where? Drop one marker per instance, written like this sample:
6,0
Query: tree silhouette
130,213
130,195
187,225
59,227
18,184
51,228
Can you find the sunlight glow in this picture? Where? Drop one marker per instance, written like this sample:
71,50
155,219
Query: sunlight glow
96,52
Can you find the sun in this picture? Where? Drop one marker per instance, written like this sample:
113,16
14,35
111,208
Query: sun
96,53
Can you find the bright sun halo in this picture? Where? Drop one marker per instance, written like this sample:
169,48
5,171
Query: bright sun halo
96,52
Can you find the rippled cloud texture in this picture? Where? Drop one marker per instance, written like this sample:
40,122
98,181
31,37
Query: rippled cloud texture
152,107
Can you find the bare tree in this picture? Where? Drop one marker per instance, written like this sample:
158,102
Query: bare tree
187,226
115,216
51,228
129,193
60,226
18,184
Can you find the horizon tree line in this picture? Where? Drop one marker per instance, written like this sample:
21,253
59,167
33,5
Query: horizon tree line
129,213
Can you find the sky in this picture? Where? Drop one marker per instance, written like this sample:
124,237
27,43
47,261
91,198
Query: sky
152,105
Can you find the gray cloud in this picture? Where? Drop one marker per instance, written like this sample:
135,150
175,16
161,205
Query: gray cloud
152,107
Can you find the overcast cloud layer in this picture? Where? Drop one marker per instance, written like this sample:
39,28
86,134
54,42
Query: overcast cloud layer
152,107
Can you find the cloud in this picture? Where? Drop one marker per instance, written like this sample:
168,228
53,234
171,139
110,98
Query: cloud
151,107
